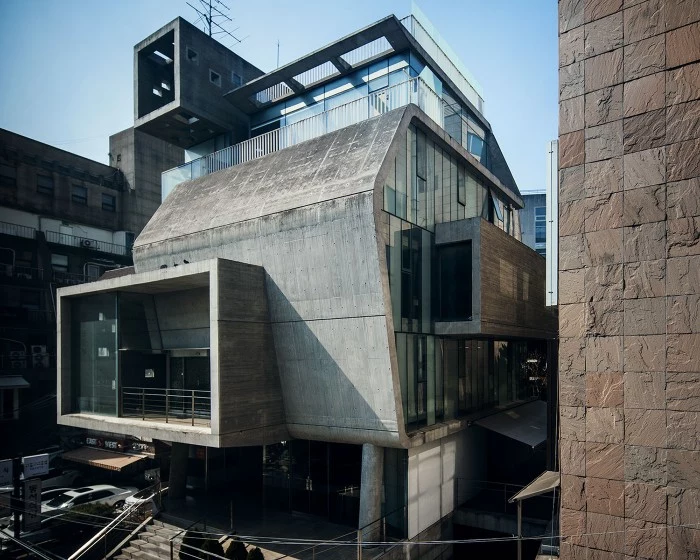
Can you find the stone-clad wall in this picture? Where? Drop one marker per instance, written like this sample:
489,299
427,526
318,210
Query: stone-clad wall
629,278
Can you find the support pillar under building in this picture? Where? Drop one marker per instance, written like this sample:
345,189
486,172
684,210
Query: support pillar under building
371,492
178,470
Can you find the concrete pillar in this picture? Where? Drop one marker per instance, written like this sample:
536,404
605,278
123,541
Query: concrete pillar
371,492
178,470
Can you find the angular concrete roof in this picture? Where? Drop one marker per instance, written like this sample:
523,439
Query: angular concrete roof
338,164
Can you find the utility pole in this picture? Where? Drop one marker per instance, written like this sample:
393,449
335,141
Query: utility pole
210,14
16,497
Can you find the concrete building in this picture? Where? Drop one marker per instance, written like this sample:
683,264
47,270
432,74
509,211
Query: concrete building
629,280
336,299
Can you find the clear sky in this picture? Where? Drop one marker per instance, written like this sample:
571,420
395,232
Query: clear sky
66,72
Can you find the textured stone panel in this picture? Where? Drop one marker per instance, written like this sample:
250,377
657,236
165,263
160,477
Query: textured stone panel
645,242
571,112
683,352
683,237
683,199
572,387
602,71
571,288
603,35
603,177
645,540
603,142
645,168
645,390
683,84
644,131
604,389
572,320
571,149
572,421
573,490
595,9
604,353
683,507
604,318
603,247
571,216
683,314
683,275
683,468
645,279
605,496
573,525
681,12
645,464
603,282
645,353
645,57
683,430
571,81
605,460
572,457
645,316
571,182
573,552
572,353
604,425
646,502
683,160
570,14
683,391
603,105
571,47
645,427
683,122
644,94
605,532
644,20
644,205
571,252
603,212
683,45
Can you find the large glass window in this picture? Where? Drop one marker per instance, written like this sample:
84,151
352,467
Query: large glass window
455,272
540,224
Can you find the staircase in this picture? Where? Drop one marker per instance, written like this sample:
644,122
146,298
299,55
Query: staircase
152,543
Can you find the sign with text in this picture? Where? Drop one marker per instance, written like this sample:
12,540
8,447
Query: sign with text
35,465
6,472
31,518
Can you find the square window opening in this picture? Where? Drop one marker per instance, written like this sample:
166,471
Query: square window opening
44,184
215,78
79,194
192,55
109,202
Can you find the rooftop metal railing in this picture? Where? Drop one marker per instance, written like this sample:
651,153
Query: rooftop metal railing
190,406
377,103
86,243
17,230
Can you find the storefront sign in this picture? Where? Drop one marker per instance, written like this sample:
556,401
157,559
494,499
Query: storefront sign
35,465
31,518
6,472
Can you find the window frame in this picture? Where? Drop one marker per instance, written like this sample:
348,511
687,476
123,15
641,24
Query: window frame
109,205
45,189
76,198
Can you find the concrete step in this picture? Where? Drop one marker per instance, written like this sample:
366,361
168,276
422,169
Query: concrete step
133,553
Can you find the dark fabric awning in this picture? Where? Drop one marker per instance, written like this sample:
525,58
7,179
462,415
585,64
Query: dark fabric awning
102,458
526,423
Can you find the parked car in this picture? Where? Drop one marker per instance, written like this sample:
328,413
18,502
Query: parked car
51,493
98,494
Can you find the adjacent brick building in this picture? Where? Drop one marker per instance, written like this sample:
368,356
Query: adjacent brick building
629,284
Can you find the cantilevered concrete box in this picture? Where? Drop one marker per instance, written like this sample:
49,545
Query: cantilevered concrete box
212,311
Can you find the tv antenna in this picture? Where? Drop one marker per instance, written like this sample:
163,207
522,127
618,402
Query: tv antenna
210,14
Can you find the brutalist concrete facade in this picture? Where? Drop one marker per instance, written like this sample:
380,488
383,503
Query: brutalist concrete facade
629,278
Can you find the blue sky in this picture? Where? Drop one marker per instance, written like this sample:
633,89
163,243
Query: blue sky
67,65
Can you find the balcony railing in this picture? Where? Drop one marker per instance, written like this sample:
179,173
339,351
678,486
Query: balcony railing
183,406
86,243
21,272
411,91
17,230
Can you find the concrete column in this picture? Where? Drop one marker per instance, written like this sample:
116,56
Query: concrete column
371,492
178,470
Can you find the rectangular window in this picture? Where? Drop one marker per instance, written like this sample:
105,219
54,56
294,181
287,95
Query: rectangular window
192,55
214,77
8,175
455,281
109,202
59,263
540,224
44,184
236,80
79,194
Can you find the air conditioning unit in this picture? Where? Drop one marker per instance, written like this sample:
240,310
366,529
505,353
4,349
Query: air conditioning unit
38,349
40,360
87,243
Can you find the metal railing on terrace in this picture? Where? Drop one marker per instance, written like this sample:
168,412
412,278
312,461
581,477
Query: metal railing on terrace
17,230
87,243
188,406
377,103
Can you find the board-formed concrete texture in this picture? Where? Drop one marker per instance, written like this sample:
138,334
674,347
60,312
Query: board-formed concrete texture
629,278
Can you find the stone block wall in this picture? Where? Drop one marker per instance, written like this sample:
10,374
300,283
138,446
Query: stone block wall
629,278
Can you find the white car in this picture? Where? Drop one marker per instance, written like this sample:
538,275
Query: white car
50,494
97,494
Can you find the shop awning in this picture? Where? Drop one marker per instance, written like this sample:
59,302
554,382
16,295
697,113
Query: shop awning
546,482
13,382
526,423
102,458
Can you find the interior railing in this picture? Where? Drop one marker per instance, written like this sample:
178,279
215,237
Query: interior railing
191,406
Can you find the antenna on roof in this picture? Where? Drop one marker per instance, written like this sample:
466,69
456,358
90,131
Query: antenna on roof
210,14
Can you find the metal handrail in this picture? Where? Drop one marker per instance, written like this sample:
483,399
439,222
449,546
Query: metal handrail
86,243
23,272
17,230
168,404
